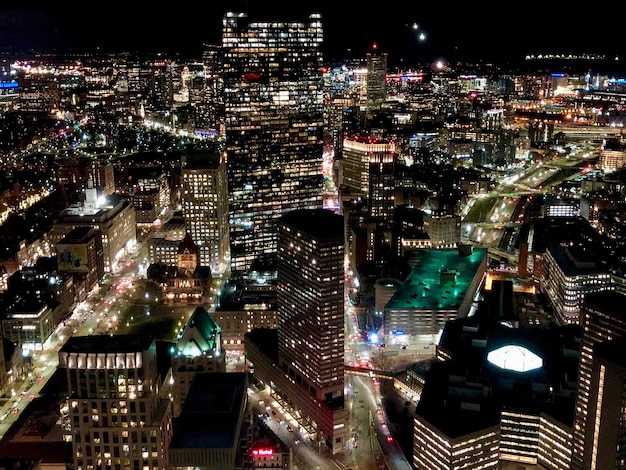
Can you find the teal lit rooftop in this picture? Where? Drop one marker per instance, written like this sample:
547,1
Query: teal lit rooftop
439,279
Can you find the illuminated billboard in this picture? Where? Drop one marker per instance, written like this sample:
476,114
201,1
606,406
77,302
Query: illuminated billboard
72,258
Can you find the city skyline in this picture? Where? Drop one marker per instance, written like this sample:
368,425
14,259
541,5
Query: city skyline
409,33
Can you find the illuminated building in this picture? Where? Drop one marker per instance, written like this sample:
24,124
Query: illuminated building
29,323
360,153
211,431
205,207
604,435
198,349
602,320
164,246
240,310
612,155
440,287
496,395
113,218
79,253
435,450
569,274
118,416
376,79
186,281
306,369
274,127
268,454
444,230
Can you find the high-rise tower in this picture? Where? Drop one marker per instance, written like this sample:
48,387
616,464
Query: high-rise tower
205,207
310,299
274,127
376,79
602,319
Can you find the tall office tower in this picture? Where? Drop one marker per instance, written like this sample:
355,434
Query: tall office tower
376,79
273,91
602,319
605,433
211,108
118,417
310,299
205,207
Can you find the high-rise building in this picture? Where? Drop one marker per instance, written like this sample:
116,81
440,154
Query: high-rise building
602,319
376,79
205,207
306,368
310,298
605,439
273,90
118,416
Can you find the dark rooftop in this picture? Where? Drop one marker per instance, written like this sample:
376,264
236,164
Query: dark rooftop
106,343
210,415
610,302
319,223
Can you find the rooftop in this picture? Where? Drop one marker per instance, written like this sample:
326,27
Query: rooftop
319,223
210,415
107,344
438,279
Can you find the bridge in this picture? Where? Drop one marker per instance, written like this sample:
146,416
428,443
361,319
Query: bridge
366,372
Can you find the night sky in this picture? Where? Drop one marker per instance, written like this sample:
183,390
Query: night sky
451,32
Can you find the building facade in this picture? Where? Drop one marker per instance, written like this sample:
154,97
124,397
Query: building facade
118,416
310,298
205,207
602,320
273,92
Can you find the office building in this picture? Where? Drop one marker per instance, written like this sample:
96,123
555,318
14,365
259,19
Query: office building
376,79
205,207
306,369
443,229
112,217
273,92
605,439
118,415
602,320
568,275
359,153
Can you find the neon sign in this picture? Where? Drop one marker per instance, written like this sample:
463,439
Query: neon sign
263,452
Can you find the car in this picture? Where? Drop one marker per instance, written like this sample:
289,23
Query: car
15,410
289,428
389,438
4,415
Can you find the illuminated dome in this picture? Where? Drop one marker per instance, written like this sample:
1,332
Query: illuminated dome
516,358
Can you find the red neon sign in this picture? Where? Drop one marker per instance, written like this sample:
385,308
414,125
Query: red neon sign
263,452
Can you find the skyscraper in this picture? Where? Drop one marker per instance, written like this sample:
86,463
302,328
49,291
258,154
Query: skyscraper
205,207
310,298
273,92
376,79
602,320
